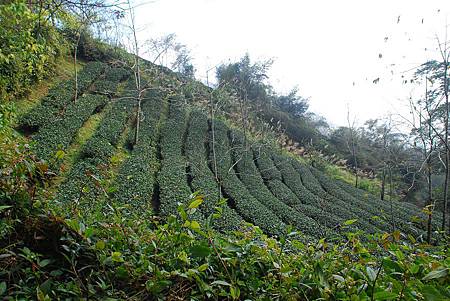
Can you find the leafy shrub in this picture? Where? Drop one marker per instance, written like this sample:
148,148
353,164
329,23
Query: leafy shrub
137,257
293,180
318,221
106,137
244,203
325,190
370,213
202,178
330,186
172,177
136,179
29,46
83,183
59,97
265,164
107,85
59,134
250,176
401,216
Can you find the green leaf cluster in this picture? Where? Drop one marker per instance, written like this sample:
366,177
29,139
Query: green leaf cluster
28,46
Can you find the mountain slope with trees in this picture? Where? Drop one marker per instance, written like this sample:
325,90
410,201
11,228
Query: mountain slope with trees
127,180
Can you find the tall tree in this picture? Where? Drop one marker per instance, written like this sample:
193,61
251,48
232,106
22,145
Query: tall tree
424,134
438,80
351,144
136,68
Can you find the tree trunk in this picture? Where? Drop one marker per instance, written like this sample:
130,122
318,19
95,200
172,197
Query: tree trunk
137,76
430,186
75,51
213,142
447,154
138,121
383,183
429,202
391,199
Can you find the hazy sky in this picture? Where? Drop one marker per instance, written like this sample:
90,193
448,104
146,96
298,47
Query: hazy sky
329,49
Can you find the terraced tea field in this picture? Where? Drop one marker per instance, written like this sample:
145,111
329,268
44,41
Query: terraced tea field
177,156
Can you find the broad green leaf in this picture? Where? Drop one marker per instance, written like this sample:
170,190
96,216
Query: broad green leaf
220,282
235,292
438,273
59,154
371,273
44,262
414,268
384,295
116,257
100,245
195,203
338,278
2,208
392,265
195,225
432,294
350,222
203,267
200,250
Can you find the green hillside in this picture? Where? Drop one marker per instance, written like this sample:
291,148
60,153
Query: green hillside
174,159
183,155
121,179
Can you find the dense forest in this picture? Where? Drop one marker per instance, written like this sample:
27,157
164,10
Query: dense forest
123,177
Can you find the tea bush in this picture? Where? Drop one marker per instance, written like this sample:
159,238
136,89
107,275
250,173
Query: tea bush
58,134
136,177
251,178
245,204
202,178
172,177
59,97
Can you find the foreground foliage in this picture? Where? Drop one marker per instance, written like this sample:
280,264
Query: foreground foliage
111,252
139,257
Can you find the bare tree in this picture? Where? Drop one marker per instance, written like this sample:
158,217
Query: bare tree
136,69
351,144
85,15
437,74
425,112
445,54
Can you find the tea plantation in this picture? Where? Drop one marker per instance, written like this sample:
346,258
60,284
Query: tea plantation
191,210
176,157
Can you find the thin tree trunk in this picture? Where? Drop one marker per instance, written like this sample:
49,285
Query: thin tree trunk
383,182
244,115
391,199
447,155
353,149
213,134
137,76
430,200
75,52
429,171
138,121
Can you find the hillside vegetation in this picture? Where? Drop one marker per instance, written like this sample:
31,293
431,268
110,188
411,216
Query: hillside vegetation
113,192
162,169
173,163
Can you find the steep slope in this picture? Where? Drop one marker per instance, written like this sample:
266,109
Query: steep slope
176,156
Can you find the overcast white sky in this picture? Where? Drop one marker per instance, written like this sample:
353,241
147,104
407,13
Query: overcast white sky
329,49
